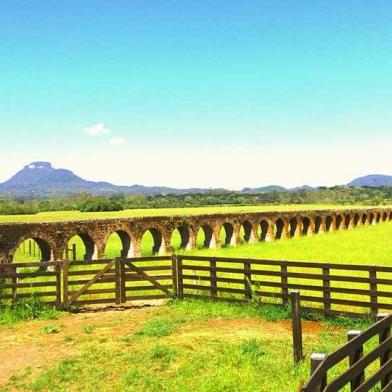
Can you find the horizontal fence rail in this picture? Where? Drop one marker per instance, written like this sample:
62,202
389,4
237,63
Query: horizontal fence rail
331,288
328,288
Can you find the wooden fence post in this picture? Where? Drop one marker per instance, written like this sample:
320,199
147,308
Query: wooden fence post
373,291
213,282
315,361
117,279
66,264
175,275
354,357
74,255
14,281
180,279
58,284
297,326
247,280
284,282
326,290
384,335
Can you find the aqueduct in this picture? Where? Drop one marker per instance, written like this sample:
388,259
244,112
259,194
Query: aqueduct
52,238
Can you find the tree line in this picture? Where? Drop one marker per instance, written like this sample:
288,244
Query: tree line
86,203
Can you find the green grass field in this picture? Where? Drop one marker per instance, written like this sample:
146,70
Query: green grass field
76,215
184,346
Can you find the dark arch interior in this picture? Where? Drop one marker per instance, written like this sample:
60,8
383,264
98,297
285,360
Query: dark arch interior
339,221
279,225
305,225
328,223
384,216
226,233
293,226
371,218
347,220
378,218
33,249
118,244
180,238
264,226
151,242
204,237
356,219
317,224
364,218
247,227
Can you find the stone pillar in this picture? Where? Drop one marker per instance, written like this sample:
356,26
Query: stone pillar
215,240
235,238
253,239
285,230
270,232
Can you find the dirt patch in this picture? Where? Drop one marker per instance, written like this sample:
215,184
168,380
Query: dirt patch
27,344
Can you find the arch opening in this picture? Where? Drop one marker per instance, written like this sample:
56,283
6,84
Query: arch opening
80,247
293,224
339,221
32,249
245,232
364,219
279,225
384,216
118,245
328,223
180,238
151,242
263,230
378,218
347,221
317,224
371,218
226,234
305,225
204,237
356,220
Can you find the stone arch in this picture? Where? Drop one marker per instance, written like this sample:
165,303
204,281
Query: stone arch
229,233
339,221
205,234
157,241
45,247
328,223
317,224
293,226
90,247
247,227
305,225
264,230
125,241
184,234
279,227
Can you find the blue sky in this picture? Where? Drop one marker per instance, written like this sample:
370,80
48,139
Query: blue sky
198,93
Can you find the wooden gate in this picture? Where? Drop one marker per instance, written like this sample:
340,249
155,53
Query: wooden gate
116,281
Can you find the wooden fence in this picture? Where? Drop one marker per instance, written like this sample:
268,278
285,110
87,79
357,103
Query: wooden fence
368,367
327,288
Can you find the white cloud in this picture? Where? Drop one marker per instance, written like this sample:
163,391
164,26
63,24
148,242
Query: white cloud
97,129
117,141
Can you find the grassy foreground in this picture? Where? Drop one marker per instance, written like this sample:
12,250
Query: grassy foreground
77,215
184,346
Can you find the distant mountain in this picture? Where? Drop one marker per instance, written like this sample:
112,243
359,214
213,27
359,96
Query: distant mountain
372,180
40,179
265,189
